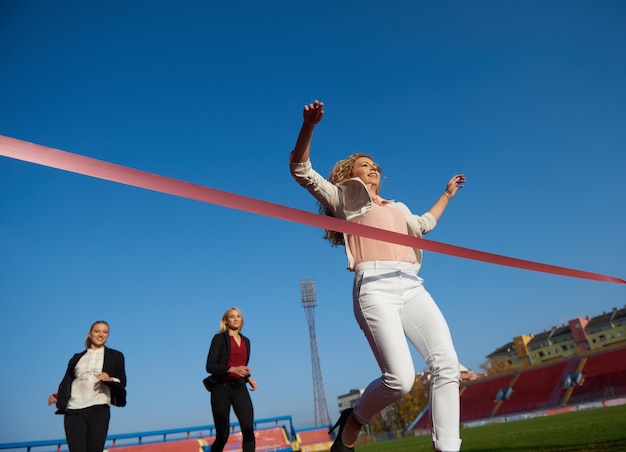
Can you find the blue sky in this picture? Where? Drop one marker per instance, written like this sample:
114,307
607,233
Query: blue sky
527,99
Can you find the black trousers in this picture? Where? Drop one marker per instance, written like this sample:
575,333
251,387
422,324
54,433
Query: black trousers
86,429
224,396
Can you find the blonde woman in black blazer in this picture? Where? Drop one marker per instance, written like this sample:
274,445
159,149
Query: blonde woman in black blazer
94,380
227,363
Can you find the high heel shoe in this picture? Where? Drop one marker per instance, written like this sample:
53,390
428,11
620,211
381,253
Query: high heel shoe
338,445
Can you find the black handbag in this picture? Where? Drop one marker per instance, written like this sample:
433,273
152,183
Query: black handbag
210,382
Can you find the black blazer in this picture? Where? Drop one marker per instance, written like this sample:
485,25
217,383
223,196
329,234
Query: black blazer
113,365
219,352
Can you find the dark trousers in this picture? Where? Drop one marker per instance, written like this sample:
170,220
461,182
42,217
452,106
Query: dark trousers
224,396
86,429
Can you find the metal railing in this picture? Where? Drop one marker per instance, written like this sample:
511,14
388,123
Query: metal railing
155,436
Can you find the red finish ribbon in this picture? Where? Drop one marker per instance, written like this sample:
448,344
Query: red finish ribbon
54,158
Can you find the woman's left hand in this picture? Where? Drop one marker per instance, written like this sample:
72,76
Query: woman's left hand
252,384
454,184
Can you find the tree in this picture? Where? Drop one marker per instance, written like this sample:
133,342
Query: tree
497,367
402,413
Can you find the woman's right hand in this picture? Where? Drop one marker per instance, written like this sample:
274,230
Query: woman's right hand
313,113
53,398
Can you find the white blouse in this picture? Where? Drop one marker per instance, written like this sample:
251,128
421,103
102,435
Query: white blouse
87,390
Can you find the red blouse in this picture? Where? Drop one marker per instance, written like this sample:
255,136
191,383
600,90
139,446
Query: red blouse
237,357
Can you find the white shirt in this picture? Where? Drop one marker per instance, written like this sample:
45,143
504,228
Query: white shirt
87,390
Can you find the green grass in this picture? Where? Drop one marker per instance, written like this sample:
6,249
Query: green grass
601,429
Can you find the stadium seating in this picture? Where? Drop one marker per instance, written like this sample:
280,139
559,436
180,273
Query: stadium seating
273,439
478,398
590,378
537,388
317,439
603,376
188,445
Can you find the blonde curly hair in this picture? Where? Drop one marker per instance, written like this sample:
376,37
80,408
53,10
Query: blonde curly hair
342,171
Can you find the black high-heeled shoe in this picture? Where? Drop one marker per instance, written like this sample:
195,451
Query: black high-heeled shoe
338,445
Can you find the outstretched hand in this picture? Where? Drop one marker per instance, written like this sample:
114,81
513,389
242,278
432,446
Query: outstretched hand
313,113
454,184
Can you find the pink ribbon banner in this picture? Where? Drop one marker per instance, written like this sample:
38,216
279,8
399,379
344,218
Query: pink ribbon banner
54,158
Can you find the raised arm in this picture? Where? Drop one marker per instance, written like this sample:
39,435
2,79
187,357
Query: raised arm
453,186
312,115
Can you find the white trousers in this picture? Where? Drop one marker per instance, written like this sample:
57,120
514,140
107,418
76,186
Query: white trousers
391,305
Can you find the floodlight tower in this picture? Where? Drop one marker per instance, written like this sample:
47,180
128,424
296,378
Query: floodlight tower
309,301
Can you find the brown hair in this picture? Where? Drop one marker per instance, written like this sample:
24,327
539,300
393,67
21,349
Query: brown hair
342,171
88,339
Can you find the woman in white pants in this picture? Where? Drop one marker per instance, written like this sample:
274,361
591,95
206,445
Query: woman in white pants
390,301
